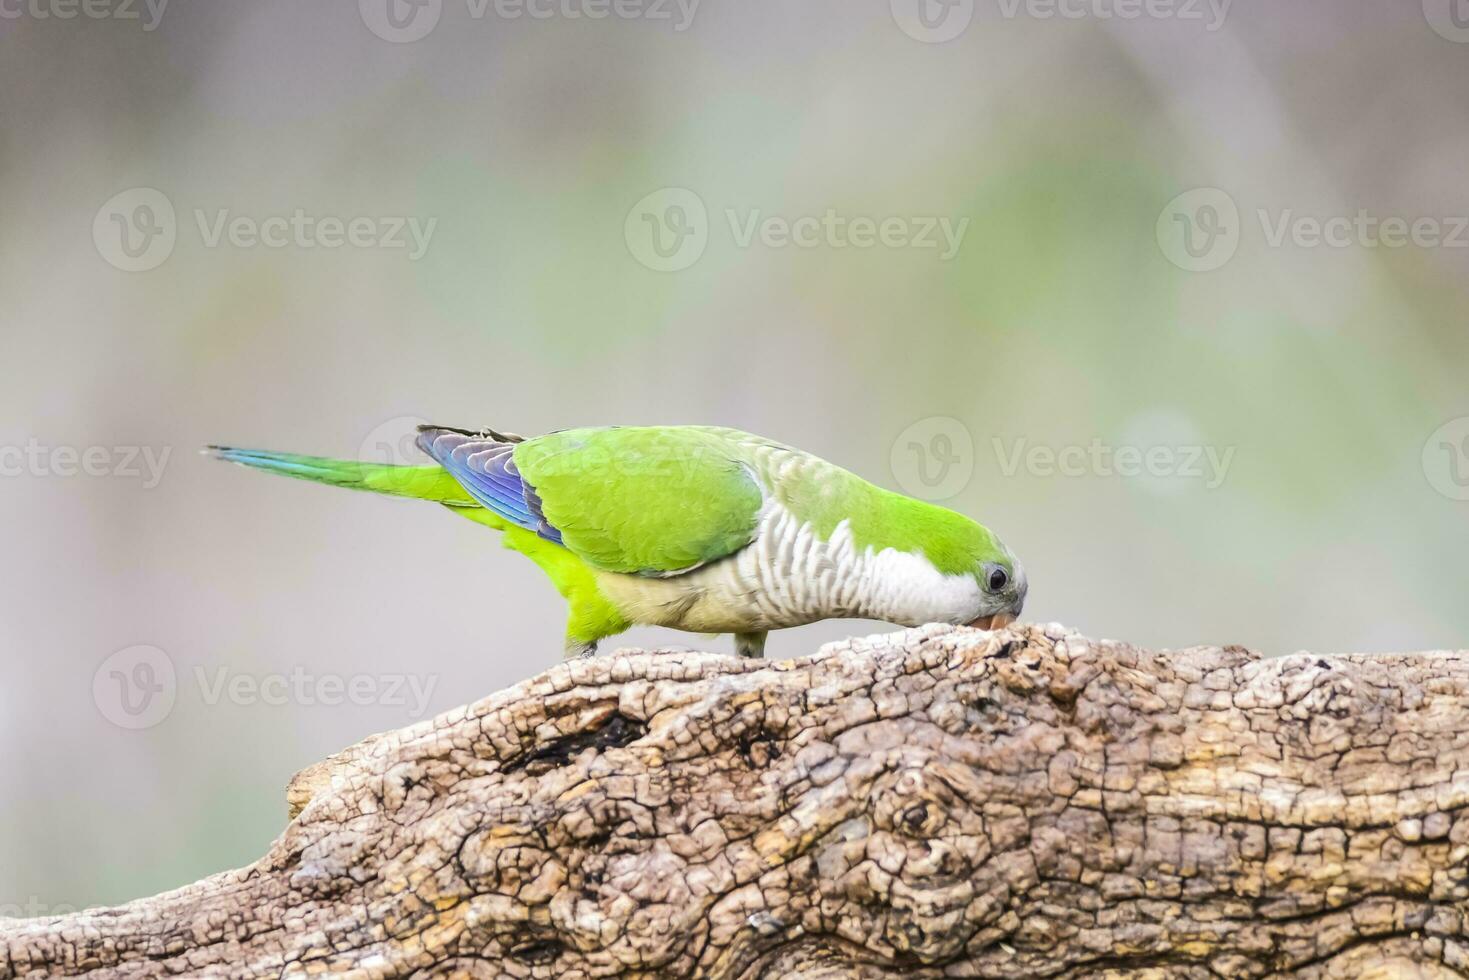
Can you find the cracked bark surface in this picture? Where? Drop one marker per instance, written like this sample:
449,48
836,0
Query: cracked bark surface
936,803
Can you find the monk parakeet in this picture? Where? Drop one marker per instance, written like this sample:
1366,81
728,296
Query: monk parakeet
703,529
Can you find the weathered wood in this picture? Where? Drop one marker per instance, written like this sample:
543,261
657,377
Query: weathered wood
940,802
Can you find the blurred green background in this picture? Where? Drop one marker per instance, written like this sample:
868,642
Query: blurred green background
1069,317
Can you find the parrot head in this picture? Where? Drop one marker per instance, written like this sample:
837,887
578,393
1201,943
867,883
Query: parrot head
967,575
985,584
1002,587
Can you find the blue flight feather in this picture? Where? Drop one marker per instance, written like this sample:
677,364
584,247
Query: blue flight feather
486,469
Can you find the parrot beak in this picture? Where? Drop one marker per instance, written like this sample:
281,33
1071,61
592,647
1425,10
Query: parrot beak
996,622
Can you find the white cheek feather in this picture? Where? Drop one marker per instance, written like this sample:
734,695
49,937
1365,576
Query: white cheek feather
907,588
790,576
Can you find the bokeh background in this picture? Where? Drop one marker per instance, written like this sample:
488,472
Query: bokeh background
1330,377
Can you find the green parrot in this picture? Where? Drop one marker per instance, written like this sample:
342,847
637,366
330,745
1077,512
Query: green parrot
704,529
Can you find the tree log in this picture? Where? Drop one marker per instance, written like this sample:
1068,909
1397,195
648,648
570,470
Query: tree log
935,803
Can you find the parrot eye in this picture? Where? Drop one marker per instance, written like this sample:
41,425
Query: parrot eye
998,578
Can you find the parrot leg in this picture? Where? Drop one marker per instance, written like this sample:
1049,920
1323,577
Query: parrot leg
750,644
577,649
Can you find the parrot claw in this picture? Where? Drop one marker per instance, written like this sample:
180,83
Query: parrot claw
584,651
750,644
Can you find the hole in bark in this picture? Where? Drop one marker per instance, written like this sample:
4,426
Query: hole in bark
757,751
980,711
537,950
616,732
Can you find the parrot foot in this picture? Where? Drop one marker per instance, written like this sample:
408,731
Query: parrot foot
581,650
750,644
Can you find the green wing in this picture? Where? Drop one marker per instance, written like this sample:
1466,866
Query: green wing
654,500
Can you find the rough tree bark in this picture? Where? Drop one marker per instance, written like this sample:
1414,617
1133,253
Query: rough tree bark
941,802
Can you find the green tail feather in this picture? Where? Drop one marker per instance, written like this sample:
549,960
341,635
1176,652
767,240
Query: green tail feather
592,615
431,482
